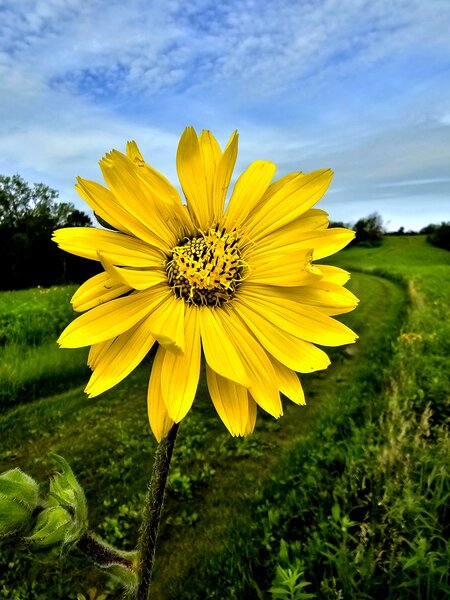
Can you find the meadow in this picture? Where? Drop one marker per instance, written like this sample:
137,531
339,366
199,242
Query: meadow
344,498
31,364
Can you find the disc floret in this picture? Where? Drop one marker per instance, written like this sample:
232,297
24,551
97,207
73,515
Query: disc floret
207,269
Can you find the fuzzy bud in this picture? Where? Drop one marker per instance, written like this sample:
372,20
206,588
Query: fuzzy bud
19,494
53,526
64,520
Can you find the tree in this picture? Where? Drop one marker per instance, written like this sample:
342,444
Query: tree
28,216
369,230
429,229
439,235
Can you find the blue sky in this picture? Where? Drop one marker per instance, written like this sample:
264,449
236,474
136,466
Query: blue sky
360,86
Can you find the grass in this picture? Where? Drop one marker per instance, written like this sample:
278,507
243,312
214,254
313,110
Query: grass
344,498
35,315
31,364
209,466
380,528
30,372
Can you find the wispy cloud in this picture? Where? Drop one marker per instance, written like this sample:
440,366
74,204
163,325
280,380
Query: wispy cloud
359,86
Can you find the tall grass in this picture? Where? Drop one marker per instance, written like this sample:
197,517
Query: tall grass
31,364
380,529
35,315
29,372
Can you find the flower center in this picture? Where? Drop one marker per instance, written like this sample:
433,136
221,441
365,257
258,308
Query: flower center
206,270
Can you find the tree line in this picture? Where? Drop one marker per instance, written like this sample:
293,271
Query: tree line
370,231
29,215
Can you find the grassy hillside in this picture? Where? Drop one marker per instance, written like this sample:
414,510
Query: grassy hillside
326,495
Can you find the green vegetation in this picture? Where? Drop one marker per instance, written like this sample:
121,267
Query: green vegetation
35,315
31,364
369,231
343,498
439,235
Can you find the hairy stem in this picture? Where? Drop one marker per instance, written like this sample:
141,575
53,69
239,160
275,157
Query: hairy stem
103,554
152,513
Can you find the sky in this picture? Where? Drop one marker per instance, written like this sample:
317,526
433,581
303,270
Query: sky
360,86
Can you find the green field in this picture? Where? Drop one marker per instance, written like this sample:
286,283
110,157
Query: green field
343,498
31,364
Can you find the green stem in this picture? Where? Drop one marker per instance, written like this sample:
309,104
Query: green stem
152,513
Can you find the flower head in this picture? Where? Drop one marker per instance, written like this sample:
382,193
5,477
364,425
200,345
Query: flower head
235,283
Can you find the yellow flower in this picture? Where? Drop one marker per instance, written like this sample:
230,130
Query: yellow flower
233,283
410,337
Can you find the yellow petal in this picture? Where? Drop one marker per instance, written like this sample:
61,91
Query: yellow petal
298,355
152,179
191,172
221,351
302,321
121,176
223,173
119,358
120,249
331,241
251,421
134,154
141,279
334,274
287,268
288,382
167,324
292,233
159,419
248,191
289,202
322,242
96,350
97,290
230,400
113,318
329,298
180,372
161,188
212,154
104,204
273,188
314,218
263,386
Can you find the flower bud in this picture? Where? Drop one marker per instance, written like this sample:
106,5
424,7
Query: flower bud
54,525
65,491
64,519
19,495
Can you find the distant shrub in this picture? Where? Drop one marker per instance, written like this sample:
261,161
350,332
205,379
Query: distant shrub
401,231
369,230
428,229
339,224
440,235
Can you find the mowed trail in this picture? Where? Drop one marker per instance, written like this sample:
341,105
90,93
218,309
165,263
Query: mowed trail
108,443
227,500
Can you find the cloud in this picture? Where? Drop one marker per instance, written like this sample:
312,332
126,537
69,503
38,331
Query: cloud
359,86
254,48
